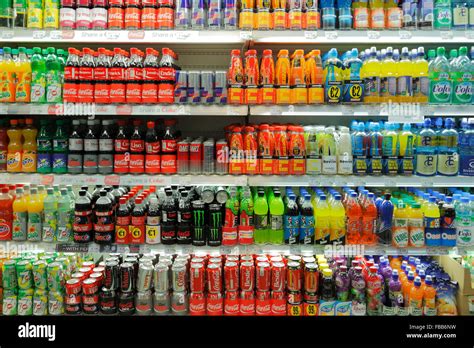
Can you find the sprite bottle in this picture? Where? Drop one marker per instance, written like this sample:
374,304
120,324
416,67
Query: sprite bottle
261,218
38,77
277,210
53,77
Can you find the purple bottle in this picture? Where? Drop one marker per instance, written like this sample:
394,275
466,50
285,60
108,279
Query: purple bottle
395,294
351,272
358,292
384,230
342,284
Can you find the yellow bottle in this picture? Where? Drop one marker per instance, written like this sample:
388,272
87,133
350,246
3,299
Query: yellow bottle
421,82
372,72
388,80
29,156
404,81
321,218
14,148
400,226
337,221
20,215
7,77
35,216
23,77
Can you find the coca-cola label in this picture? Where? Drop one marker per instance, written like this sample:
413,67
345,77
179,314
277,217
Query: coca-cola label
231,307
152,164
106,145
83,18
71,73
166,74
134,93
166,92
164,18
168,145
263,307
100,73
121,163
137,163
116,74
86,73
150,74
168,164
247,307
102,93
137,145
117,92
152,148
70,91
135,74
122,145
76,144
149,93
91,145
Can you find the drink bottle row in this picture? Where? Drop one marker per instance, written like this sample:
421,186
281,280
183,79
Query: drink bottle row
373,76
233,216
233,14
372,148
246,285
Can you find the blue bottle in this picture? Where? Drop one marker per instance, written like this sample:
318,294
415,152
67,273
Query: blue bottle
426,151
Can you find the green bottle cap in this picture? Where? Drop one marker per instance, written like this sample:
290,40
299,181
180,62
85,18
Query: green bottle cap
7,50
51,50
36,50
463,51
440,51
22,49
60,52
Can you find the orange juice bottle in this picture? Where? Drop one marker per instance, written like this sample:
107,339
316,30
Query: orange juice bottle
429,297
396,263
282,78
407,285
29,156
7,77
267,77
14,148
23,77
297,78
416,298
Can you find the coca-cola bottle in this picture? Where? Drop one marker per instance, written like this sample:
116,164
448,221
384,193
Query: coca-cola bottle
165,14
84,15
67,15
137,149
85,93
153,218
134,76
99,15
71,76
101,78
91,148
116,14
76,149
168,219
152,149
82,226
168,149
104,220
122,222
150,77
122,148
117,77
166,77
106,149
183,235
138,220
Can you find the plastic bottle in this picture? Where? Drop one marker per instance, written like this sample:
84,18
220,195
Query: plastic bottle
337,221
448,156
395,294
416,230
421,82
333,77
3,145
35,216
291,220
426,151
388,78
277,211
29,154
464,223
6,214
75,149
60,148
321,217
105,159
374,292
246,209
38,77
91,148
416,298
344,152
53,77
261,218
372,72
23,77
432,223
327,286
20,216
168,219
184,219
307,221
385,221
440,82
400,232
429,297
50,216
104,227
82,226
65,217
461,76
15,147
354,220
7,79
342,283
44,148
404,80
390,148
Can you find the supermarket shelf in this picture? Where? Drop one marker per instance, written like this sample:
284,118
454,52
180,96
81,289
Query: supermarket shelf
125,36
72,109
329,250
408,112
364,36
127,180
352,180
237,180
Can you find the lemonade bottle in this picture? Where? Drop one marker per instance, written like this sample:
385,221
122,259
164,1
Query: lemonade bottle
372,72
400,226
53,77
29,156
261,218
404,81
23,77
35,214
388,79
421,82
14,148
50,222
7,77
277,210
337,221
20,215
321,218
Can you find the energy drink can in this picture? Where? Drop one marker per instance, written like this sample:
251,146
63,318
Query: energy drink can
198,14
196,156
215,225
198,229
214,19
194,86
181,86
220,87
208,163
222,157
207,87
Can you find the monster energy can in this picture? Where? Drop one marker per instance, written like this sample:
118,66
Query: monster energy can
222,195
198,228
215,225
207,194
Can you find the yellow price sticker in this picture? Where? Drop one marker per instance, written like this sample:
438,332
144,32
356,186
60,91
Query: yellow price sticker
334,92
151,232
295,310
311,309
121,232
356,92
136,233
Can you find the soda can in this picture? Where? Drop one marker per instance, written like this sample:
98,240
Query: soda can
149,15
55,276
247,276
9,277
214,237
111,275
207,86
25,302
220,87
181,87
197,303
127,276
161,302
183,156
194,87
132,18
247,302
263,276
108,301
294,297
55,303
73,286
145,277
90,286
197,278
231,276
196,156
10,302
208,164
40,302
24,273
222,157
311,278
214,14
143,302
179,302
214,278
278,276
198,226
126,303
231,303
178,277
161,278
294,276
214,304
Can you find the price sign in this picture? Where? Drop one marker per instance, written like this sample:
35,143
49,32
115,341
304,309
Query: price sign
446,34
295,310
310,35
112,35
246,35
373,35
405,34
333,92
39,34
225,250
331,35
7,34
56,34
136,34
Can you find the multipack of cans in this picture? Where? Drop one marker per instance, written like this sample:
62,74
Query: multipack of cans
200,87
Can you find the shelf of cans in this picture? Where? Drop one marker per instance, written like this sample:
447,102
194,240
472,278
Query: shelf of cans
235,37
86,109
238,180
212,284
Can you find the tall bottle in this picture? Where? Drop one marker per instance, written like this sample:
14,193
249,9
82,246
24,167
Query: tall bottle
75,149
440,82
53,77
448,156
291,220
50,217
60,148
35,216
432,223
261,218
372,72
20,216
307,221
426,151
277,210
91,149
168,219
464,223
337,222
104,220
404,80
105,159
65,217
385,221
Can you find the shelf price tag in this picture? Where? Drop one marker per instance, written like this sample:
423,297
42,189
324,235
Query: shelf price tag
39,34
330,35
112,35
136,34
470,34
170,249
310,35
56,34
246,35
225,250
94,248
7,34
112,180
373,35
405,35
446,34
187,249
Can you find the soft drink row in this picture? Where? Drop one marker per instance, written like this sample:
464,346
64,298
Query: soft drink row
373,148
370,77
214,284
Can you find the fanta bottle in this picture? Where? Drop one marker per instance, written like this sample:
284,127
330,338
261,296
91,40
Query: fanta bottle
14,148
6,215
29,155
23,77
7,77
3,145
369,220
416,298
20,215
354,220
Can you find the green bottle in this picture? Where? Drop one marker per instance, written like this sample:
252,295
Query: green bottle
277,210
62,63
53,77
60,148
440,82
50,211
261,218
65,217
45,148
38,77
246,208
461,75
442,14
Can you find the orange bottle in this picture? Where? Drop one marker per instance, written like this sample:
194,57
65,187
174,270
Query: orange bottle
415,301
250,150
297,150
429,297
282,78
299,93
280,20
251,76
236,155
267,78
14,148
6,214
354,220
281,162
265,149
235,78
314,77
29,155
369,219
407,285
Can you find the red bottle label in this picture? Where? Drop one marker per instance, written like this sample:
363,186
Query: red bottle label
137,145
121,163
122,145
168,145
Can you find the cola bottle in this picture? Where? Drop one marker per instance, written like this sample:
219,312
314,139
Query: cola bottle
117,77
71,76
152,149
82,226
134,76
104,223
183,235
137,149
150,77
85,93
168,219
96,194
138,220
169,149
76,147
117,193
84,15
101,78
106,149
91,148
166,77
122,148
122,222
